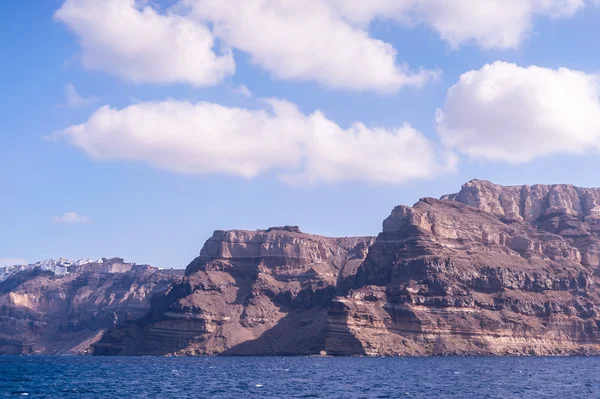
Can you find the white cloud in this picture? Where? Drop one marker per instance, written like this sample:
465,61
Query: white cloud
308,40
362,153
490,23
206,138
511,113
486,23
71,218
75,100
363,12
134,41
12,261
242,90
326,41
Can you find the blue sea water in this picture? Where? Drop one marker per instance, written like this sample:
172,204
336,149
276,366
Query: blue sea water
298,377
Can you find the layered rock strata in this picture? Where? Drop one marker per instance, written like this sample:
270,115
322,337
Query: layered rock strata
491,270
45,312
263,292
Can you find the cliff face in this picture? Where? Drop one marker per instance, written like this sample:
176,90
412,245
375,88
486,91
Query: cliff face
490,270
249,292
47,312
572,212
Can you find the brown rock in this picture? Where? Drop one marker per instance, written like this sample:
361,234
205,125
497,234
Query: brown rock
480,272
43,313
491,270
249,292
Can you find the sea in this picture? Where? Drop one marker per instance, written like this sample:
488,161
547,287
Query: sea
299,377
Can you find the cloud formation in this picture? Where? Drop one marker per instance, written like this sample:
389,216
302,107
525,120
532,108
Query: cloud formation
485,23
511,113
75,100
308,40
134,41
242,90
205,138
71,218
325,41
490,23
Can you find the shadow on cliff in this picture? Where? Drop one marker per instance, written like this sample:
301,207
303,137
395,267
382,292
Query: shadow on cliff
303,331
300,332
133,337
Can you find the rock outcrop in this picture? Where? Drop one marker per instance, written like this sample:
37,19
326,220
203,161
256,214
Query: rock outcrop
490,270
263,292
62,307
569,211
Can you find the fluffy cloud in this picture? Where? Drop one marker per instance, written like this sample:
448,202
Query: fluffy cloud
242,90
361,153
486,23
12,262
75,100
206,138
308,40
326,41
133,41
490,23
506,112
71,218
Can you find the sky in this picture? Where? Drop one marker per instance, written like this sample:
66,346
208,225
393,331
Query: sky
135,128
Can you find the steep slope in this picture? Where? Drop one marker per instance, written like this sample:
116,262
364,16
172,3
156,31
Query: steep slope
59,306
490,270
249,292
446,278
572,212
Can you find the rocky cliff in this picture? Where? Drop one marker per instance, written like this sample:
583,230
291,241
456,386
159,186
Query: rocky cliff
490,270
569,211
264,292
58,306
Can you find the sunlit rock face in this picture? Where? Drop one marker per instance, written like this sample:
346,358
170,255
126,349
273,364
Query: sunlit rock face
490,270
62,307
569,211
249,292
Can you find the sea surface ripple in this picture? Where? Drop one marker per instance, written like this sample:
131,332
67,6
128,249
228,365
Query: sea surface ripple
299,377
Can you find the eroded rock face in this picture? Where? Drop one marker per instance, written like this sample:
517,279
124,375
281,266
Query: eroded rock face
42,312
491,270
561,208
486,271
572,212
249,292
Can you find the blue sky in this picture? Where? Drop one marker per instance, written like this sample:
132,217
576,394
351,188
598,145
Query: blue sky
102,189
